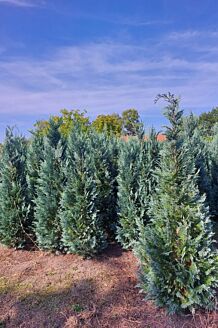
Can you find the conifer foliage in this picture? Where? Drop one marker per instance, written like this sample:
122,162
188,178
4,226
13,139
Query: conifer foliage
105,150
14,201
49,188
34,158
178,263
81,220
136,181
214,172
199,150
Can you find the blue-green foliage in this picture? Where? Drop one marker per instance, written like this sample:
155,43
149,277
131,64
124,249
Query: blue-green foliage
14,201
105,151
35,154
34,158
213,147
199,150
137,160
54,134
48,189
48,193
179,268
81,221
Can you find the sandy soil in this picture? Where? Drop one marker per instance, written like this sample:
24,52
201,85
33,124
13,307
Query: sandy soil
38,289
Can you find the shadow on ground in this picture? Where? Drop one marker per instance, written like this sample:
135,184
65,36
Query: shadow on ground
98,293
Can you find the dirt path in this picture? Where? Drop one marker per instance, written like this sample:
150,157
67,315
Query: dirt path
39,289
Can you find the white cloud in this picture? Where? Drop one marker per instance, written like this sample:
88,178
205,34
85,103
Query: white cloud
105,77
23,3
139,22
189,35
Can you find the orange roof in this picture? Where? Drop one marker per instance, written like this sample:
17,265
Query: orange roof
160,137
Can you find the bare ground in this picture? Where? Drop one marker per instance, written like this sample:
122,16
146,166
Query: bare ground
39,289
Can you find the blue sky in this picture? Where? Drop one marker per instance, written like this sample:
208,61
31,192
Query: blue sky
105,56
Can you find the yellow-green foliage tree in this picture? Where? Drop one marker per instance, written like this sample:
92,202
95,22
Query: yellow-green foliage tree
41,128
67,121
70,118
110,124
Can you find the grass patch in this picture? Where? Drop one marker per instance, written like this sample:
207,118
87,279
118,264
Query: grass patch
7,286
3,285
77,308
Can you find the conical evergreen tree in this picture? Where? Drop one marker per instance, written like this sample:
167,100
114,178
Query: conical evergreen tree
199,150
214,173
82,223
105,150
48,190
54,134
136,181
178,263
35,151
14,202
35,157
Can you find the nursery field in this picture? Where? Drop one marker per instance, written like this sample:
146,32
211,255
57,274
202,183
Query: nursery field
81,214
40,289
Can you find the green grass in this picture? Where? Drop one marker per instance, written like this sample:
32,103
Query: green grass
77,308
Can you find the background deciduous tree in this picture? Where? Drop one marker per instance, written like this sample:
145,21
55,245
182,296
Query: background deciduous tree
66,122
110,124
208,120
131,124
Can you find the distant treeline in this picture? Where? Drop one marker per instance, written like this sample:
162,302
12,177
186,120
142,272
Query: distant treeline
128,123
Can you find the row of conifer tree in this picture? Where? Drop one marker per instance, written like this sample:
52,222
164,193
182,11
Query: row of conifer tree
76,194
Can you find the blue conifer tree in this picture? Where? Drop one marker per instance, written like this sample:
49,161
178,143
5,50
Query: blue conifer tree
136,180
105,150
81,220
14,200
199,150
178,262
213,146
48,193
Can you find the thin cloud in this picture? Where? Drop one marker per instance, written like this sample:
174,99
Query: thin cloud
104,77
121,19
192,34
23,3
140,22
